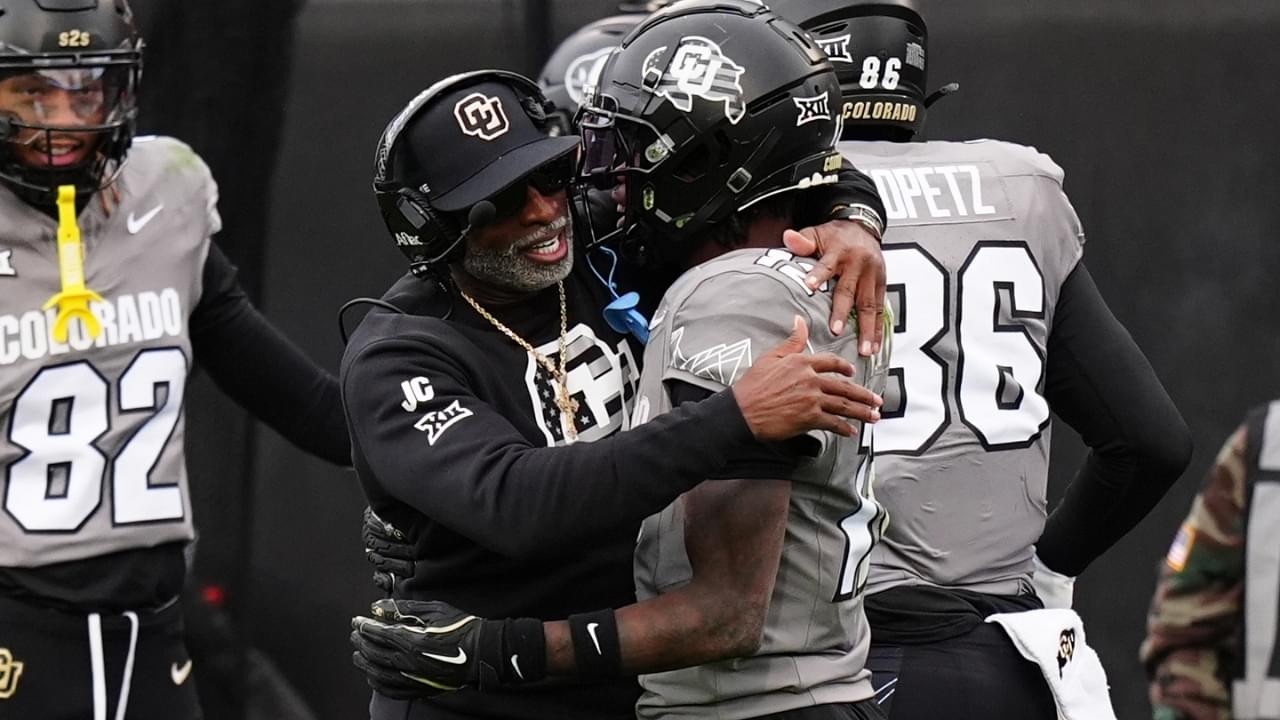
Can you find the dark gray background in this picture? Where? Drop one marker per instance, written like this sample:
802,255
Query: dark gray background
1159,112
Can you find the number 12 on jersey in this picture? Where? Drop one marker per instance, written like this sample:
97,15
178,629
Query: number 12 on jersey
862,529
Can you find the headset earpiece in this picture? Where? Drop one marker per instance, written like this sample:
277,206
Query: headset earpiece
535,110
414,208
539,109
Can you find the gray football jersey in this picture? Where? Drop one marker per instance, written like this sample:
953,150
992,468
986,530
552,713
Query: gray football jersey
93,427
711,325
981,239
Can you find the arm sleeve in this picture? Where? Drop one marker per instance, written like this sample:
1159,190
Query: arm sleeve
1101,384
262,370
1193,623
813,206
464,464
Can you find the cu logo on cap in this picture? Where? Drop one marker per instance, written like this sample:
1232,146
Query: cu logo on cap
481,116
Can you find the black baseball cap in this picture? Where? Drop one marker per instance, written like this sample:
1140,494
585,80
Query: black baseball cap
471,143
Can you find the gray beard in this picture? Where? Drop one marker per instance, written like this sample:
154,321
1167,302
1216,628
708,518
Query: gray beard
510,269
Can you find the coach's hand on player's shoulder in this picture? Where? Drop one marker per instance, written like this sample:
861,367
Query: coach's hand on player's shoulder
412,648
850,253
788,392
387,549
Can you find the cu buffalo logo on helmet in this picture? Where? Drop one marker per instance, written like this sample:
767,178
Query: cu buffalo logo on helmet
698,68
1066,649
481,116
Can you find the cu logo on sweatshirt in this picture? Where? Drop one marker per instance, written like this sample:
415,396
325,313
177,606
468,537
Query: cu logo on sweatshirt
602,378
10,671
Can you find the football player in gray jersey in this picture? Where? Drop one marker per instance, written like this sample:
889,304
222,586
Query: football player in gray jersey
784,562
998,323
111,291
753,584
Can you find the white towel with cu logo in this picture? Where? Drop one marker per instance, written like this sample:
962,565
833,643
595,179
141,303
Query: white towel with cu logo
1054,640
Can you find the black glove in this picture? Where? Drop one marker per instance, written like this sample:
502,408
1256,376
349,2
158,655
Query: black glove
412,648
388,549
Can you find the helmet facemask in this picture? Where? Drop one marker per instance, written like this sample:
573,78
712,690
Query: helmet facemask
66,120
618,151
706,108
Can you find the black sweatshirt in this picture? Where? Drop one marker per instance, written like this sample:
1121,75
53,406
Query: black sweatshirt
457,442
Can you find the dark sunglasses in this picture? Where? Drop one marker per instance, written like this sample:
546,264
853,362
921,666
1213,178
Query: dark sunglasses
547,179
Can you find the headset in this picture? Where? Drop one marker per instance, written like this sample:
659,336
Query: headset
428,237
431,239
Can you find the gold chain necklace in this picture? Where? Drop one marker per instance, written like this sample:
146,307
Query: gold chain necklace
568,406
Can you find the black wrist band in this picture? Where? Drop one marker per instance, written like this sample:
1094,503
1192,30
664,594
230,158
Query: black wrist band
595,644
524,651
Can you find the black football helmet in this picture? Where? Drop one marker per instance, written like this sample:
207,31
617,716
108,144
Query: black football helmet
707,107
69,72
576,63
879,49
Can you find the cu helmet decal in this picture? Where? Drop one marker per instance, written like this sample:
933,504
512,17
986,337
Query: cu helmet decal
698,68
